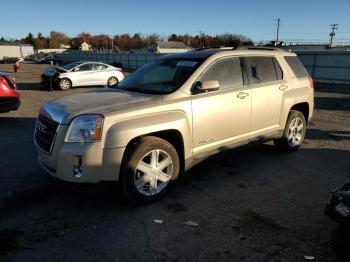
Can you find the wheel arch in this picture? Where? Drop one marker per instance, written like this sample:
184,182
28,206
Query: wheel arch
172,126
118,75
173,136
304,108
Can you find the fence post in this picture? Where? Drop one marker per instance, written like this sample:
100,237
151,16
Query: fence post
313,65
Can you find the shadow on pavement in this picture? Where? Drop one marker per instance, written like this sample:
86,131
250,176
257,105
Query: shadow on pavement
327,135
332,103
29,86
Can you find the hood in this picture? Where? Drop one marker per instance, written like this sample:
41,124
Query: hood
50,71
97,102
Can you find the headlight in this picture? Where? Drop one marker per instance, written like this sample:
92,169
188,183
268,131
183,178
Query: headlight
85,128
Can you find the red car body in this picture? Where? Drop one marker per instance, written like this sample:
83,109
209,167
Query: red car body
9,96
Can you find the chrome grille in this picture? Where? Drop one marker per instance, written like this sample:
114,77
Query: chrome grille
45,132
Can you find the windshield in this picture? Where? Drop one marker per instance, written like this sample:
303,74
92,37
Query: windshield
162,76
70,66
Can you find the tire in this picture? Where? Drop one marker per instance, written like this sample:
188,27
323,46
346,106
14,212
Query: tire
142,180
340,242
294,132
112,81
64,84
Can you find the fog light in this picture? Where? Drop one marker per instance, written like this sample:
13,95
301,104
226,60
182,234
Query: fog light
77,168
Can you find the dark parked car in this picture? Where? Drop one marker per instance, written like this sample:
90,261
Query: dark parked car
9,96
338,210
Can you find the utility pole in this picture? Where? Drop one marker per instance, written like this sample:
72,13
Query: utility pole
278,30
332,33
112,37
200,39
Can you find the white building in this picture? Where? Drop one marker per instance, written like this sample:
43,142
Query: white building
15,51
85,46
170,47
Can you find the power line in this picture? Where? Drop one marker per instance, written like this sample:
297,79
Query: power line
332,33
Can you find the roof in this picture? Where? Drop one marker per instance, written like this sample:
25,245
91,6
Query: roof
14,43
5,73
205,53
171,44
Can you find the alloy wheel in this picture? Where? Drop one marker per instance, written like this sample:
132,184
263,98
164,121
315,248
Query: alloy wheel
153,172
64,84
295,132
112,81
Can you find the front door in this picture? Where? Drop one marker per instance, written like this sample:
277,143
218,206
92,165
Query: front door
82,75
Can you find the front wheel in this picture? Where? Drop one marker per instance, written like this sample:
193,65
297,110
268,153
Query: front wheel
64,84
294,132
148,170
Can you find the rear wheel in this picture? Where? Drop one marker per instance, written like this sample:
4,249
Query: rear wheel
64,84
149,169
112,81
294,132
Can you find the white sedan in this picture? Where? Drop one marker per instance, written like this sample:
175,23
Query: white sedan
82,74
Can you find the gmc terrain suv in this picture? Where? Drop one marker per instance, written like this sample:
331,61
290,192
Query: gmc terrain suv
170,113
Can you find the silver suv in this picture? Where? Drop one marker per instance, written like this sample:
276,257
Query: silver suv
169,114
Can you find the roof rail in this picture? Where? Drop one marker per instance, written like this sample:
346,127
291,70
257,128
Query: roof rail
266,48
215,47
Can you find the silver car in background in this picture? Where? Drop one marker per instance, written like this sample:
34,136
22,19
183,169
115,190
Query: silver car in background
81,74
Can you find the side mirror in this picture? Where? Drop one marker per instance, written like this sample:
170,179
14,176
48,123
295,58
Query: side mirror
206,86
76,69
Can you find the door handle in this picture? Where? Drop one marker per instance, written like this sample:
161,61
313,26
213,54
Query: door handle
242,95
283,87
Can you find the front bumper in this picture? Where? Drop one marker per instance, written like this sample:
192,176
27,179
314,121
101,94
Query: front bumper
11,104
48,81
94,162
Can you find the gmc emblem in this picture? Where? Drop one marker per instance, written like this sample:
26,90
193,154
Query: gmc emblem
40,127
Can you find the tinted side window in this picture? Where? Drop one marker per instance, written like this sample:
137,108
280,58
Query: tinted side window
279,72
227,71
85,67
260,69
297,67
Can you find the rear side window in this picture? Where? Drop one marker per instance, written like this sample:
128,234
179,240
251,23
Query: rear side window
98,67
297,67
262,69
226,71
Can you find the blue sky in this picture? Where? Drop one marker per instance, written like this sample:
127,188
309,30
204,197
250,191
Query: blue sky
308,19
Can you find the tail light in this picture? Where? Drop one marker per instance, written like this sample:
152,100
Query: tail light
311,82
3,83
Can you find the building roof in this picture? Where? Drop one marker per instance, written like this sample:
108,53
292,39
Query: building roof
14,43
175,45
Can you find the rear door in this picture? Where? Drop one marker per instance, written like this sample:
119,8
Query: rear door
223,116
99,74
265,79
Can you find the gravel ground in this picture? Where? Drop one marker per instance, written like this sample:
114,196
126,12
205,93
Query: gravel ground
251,204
